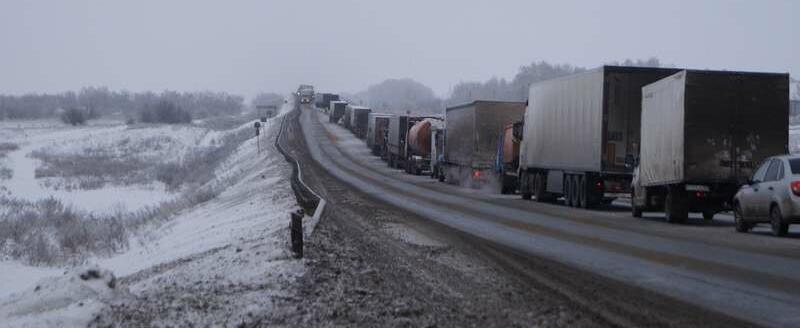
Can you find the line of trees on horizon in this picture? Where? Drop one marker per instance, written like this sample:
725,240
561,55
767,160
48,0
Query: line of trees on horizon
100,101
407,95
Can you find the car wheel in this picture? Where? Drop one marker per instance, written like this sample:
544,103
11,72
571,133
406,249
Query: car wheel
779,228
636,211
738,219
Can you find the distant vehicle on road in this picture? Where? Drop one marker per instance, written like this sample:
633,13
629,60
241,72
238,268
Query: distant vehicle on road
305,93
323,100
336,111
377,125
471,139
507,159
702,134
359,118
771,196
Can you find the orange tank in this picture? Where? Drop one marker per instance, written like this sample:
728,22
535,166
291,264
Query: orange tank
419,138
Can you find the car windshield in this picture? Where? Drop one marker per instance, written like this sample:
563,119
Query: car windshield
794,164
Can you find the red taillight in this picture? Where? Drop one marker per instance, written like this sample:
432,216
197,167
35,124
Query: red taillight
599,184
795,185
476,174
699,194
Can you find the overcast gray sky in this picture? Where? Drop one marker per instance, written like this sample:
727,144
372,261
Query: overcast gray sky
250,46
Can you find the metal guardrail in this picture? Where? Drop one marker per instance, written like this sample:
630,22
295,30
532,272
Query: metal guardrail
306,197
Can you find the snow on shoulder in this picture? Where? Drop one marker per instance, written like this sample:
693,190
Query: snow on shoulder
184,271
70,300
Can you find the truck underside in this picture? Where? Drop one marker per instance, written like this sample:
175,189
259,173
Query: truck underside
579,189
677,200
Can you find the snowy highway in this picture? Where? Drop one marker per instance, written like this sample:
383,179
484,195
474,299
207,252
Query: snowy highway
752,277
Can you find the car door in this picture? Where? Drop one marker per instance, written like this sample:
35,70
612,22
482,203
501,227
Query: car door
763,194
748,193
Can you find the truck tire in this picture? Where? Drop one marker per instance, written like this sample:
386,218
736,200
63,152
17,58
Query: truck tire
675,210
779,227
738,219
636,211
539,186
568,190
583,201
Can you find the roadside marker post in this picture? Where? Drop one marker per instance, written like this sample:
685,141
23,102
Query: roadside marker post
257,125
296,228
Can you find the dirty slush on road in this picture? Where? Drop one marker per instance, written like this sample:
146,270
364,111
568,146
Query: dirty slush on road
371,264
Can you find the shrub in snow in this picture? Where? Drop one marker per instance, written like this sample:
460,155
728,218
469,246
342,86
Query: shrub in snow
74,116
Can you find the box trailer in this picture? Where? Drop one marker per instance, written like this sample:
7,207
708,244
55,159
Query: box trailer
377,125
337,109
323,100
581,133
396,140
703,133
347,118
471,139
359,117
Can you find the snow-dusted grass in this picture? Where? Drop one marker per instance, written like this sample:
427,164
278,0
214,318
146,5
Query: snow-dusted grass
236,237
59,208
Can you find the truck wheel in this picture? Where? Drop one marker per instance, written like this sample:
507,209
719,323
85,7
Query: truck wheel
573,190
582,192
675,206
568,190
708,215
539,186
636,211
779,228
738,219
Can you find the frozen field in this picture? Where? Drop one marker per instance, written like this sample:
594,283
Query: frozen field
236,238
147,146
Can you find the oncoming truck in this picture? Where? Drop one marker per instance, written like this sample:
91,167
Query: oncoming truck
581,135
703,133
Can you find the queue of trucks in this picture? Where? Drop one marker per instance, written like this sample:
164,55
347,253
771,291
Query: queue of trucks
672,140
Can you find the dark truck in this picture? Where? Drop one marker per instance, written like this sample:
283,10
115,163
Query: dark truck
347,118
418,141
506,164
336,111
377,125
471,140
323,100
581,134
703,133
359,118
305,93
396,140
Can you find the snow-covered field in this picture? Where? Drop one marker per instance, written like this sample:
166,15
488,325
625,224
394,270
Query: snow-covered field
149,145
236,238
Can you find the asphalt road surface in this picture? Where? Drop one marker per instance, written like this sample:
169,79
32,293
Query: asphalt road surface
751,277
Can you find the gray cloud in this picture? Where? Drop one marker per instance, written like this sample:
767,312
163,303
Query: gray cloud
251,46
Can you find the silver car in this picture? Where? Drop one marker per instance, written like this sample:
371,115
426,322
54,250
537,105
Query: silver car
771,196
